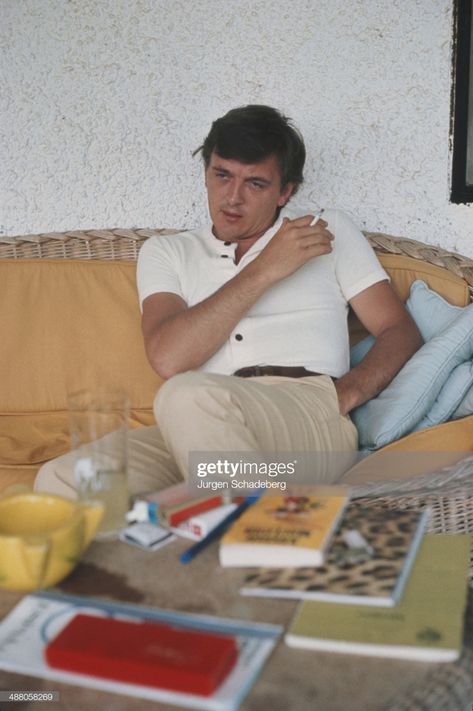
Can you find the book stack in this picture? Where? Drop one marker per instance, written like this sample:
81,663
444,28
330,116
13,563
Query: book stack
426,624
371,580
374,572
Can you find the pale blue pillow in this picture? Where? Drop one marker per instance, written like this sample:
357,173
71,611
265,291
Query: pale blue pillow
411,394
432,315
457,385
429,310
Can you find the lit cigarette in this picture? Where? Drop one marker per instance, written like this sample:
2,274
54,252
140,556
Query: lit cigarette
317,218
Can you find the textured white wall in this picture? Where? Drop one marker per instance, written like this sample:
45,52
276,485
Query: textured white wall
106,99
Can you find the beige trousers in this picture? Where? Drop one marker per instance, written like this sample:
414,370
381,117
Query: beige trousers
221,413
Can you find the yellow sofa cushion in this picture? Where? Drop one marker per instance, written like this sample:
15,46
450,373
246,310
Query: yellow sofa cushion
404,270
418,453
66,325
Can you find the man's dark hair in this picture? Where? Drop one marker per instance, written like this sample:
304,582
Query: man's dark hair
252,133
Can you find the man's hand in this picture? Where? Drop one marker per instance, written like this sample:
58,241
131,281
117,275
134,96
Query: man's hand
292,246
347,395
397,339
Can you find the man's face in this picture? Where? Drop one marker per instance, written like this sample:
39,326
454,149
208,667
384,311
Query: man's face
243,198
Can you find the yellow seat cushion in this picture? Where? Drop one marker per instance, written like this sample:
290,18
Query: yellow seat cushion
20,475
66,325
418,453
36,437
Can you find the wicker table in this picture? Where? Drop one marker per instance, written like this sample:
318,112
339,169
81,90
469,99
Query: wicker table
292,679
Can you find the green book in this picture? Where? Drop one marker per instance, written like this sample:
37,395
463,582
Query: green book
426,625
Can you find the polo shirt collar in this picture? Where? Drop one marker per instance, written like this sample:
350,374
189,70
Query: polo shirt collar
256,248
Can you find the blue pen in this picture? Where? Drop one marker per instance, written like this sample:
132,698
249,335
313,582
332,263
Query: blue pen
191,552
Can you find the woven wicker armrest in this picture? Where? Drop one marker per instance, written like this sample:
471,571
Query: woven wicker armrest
109,244
456,263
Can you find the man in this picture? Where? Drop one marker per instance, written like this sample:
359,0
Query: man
246,319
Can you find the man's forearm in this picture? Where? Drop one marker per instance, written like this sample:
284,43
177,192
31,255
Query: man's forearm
188,339
390,352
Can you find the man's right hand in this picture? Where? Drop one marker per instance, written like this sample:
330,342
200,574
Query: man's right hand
294,244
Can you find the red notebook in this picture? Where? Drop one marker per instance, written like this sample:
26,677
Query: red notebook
149,653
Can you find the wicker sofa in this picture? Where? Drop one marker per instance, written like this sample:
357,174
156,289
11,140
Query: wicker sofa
72,320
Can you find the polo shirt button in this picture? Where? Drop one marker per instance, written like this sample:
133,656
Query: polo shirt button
227,244
239,337
224,256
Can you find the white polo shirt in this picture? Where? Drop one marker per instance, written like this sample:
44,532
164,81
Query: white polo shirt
300,321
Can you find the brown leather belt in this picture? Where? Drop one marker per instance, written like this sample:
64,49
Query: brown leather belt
286,371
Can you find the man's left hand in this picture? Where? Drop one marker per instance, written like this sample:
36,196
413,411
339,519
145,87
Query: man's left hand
346,399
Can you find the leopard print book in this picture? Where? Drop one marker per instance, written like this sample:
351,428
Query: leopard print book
351,575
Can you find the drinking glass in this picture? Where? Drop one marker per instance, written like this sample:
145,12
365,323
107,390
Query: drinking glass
98,427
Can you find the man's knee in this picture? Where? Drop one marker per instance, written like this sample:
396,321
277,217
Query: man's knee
183,392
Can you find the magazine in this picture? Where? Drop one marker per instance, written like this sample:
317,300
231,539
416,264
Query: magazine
39,617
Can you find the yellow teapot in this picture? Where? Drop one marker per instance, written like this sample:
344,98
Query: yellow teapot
42,538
